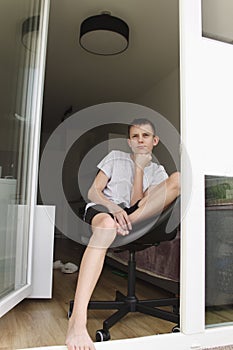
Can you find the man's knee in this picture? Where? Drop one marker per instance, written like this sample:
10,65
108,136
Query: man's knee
103,230
104,221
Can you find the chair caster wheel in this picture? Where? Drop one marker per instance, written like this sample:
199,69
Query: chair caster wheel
102,335
176,329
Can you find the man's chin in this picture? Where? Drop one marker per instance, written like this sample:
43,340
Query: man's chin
142,151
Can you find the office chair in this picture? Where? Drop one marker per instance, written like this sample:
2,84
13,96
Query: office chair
130,303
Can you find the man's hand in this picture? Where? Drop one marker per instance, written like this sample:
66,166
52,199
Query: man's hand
121,218
142,159
123,222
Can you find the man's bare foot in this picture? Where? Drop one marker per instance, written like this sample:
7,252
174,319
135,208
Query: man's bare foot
78,338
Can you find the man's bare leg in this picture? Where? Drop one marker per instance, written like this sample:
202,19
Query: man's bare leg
104,232
92,262
157,198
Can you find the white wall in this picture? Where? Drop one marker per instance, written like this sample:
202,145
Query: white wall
164,98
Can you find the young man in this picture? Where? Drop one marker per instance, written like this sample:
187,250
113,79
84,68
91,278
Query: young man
127,189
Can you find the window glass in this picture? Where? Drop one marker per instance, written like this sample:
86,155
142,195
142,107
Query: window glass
217,20
219,249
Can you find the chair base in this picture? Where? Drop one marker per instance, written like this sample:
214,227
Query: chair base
130,303
126,304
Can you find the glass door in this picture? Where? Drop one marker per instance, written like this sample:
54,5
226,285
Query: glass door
217,31
22,38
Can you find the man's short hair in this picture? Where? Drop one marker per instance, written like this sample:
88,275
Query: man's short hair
141,121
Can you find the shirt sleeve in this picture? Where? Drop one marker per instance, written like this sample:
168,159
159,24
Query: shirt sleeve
106,164
160,175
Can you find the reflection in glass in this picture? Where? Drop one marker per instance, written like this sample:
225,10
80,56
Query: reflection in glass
18,71
217,20
219,249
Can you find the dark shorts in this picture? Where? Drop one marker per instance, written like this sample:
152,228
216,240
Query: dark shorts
98,208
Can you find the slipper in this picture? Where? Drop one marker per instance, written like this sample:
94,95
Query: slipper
58,264
69,268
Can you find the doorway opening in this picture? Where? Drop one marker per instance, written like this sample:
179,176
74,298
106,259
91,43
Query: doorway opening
146,74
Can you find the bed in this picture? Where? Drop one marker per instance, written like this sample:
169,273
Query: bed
158,265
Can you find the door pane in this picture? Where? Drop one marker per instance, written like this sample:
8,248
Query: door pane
219,249
217,25
217,20
19,22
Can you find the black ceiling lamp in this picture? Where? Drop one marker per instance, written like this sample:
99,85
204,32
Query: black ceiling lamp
104,34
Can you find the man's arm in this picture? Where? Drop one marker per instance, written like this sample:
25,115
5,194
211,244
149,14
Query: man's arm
140,162
95,194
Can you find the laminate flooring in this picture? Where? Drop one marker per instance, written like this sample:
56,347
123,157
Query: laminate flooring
38,322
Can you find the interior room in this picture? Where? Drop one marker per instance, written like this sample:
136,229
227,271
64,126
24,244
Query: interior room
143,79
147,74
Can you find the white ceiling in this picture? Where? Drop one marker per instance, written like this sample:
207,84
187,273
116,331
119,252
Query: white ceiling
77,78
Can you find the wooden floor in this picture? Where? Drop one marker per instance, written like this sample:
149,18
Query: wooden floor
35,323
219,315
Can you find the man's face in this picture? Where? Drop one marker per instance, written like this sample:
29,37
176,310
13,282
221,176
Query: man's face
141,139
